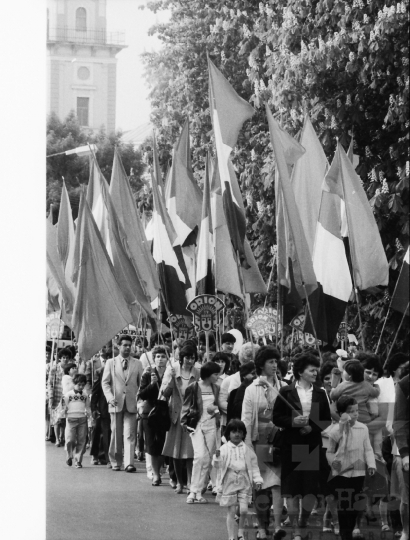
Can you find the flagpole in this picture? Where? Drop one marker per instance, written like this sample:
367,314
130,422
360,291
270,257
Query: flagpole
277,301
311,319
381,333
115,405
352,256
242,282
281,331
395,337
270,279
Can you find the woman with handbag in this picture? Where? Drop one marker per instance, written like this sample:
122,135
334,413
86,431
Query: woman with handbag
302,410
260,397
154,430
201,418
178,445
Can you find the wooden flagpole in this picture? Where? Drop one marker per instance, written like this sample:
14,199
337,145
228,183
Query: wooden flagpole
270,279
353,263
311,318
395,337
115,404
242,283
381,333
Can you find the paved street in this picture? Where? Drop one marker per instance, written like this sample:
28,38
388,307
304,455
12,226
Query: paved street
95,503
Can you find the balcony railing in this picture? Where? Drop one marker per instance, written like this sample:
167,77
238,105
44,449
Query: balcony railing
86,37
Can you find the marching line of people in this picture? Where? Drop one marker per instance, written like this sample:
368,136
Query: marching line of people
287,435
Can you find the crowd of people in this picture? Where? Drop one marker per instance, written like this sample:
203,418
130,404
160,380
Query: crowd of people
289,435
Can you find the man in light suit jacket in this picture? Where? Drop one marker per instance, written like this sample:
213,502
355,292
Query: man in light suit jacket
120,384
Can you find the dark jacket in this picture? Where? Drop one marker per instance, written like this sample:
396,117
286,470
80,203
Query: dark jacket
235,400
401,416
188,396
149,391
98,400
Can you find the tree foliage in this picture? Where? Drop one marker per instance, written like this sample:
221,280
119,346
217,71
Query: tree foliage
67,134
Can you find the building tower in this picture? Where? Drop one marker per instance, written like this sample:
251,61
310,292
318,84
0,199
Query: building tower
81,62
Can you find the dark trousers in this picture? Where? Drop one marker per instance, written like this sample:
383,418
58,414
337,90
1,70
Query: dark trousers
100,439
140,436
349,502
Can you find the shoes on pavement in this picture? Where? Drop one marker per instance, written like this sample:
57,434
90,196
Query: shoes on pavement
191,498
69,461
336,528
279,534
94,460
209,486
109,466
58,443
78,465
172,484
116,468
130,468
201,500
179,489
156,483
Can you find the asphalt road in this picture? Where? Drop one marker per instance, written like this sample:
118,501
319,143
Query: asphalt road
95,503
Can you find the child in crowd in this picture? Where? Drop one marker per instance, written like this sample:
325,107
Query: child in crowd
237,468
355,386
348,454
70,371
77,408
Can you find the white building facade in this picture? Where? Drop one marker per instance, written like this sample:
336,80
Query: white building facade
81,62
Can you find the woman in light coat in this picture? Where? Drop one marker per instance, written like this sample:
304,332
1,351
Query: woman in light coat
257,410
178,445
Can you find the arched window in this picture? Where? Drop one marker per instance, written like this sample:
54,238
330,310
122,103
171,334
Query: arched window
81,19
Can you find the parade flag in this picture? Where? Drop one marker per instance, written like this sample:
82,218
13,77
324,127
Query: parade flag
329,301
307,178
183,197
79,151
370,266
228,113
137,242
400,298
126,267
295,257
56,269
227,277
66,239
205,281
96,203
167,254
100,311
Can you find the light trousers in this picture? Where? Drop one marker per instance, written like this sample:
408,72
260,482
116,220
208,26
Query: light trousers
123,428
204,444
76,437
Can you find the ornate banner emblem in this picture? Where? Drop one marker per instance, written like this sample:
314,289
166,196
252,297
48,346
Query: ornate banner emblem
298,322
181,326
55,326
263,321
206,310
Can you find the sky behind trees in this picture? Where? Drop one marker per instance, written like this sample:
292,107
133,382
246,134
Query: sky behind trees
133,107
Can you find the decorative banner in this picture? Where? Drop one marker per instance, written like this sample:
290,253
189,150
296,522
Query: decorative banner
181,326
342,333
129,330
55,326
263,321
206,310
298,322
306,339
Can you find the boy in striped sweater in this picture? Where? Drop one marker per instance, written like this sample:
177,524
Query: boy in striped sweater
77,408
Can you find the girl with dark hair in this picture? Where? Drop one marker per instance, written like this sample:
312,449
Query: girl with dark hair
257,407
178,445
223,360
303,412
238,471
200,416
